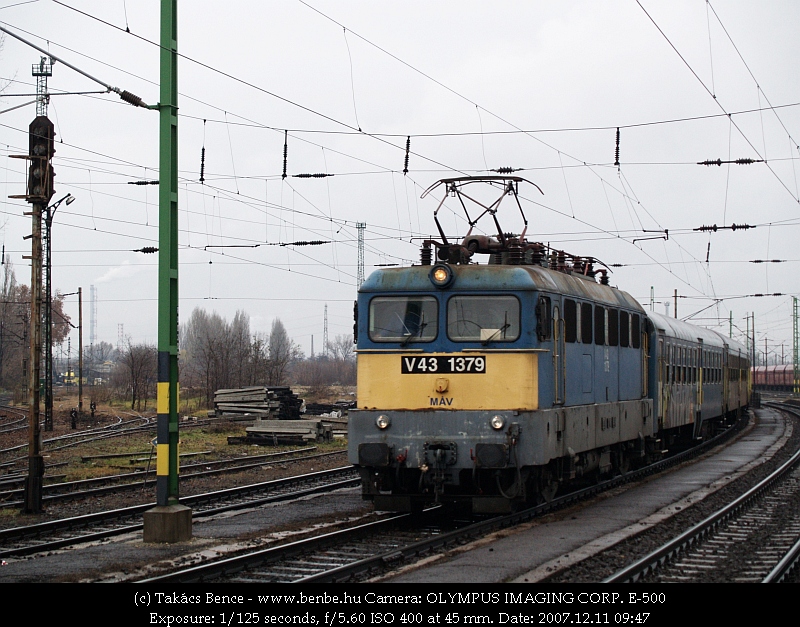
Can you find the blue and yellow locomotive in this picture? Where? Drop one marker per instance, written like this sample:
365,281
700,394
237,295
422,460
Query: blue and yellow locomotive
490,384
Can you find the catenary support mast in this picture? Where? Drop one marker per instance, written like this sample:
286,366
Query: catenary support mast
168,521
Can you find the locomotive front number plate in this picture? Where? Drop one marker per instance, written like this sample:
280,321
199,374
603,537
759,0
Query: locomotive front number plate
443,364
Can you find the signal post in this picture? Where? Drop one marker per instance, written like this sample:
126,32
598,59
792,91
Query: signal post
39,191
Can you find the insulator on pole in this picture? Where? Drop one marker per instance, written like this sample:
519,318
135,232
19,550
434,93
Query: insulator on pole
732,227
616,154
203,165
318,175
745,161
132,99
408,149
285,151
317,242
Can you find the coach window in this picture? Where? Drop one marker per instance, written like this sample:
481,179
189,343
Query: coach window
613,327
683,364
403,319
671,377
483,318
624,328
672,362
599,325
586,323
570,321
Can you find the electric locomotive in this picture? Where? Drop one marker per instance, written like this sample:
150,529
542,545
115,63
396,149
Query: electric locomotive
490,384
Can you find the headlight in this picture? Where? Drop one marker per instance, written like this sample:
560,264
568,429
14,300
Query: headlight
382,422
497,422
441,275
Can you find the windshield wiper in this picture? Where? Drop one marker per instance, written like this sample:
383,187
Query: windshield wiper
496,333
407,339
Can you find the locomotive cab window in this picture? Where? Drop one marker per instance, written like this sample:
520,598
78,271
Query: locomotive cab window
599,325
586,323
544,319
483,319
613,327
624,328
403,319
570,320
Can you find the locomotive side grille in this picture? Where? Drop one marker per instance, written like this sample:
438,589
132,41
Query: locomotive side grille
491,455
373,454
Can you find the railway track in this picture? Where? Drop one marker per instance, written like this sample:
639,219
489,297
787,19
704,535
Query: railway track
755,538
123,427
22,541
367,550
98,486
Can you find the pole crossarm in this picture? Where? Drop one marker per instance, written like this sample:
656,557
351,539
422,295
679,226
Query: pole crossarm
125,95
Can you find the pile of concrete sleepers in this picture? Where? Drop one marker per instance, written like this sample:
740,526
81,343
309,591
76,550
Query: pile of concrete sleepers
288,432
275,413
260,402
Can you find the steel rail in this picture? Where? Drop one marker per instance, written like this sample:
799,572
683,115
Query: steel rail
202,504
139,480
667,552
381,560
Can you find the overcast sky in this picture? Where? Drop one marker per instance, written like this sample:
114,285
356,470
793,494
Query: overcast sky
535,85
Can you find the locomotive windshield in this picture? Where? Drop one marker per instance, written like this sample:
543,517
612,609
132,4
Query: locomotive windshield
403,319
483,319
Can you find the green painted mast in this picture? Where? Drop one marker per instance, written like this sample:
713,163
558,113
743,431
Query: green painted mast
167,402
168,521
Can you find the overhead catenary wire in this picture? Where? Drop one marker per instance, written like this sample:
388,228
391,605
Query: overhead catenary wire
717,102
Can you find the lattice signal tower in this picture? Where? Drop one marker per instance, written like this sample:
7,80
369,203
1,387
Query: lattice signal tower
360,278
325,333
42,71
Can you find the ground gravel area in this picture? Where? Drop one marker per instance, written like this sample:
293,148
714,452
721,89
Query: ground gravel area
67,461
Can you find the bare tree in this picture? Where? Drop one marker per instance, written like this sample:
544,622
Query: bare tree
13,328
137,371
342,348
259,359
217,354
240,348
282,352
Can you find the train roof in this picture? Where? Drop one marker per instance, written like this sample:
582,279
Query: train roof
474,277
778,368
673,327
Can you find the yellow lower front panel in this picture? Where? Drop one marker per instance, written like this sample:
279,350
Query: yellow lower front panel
449,381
